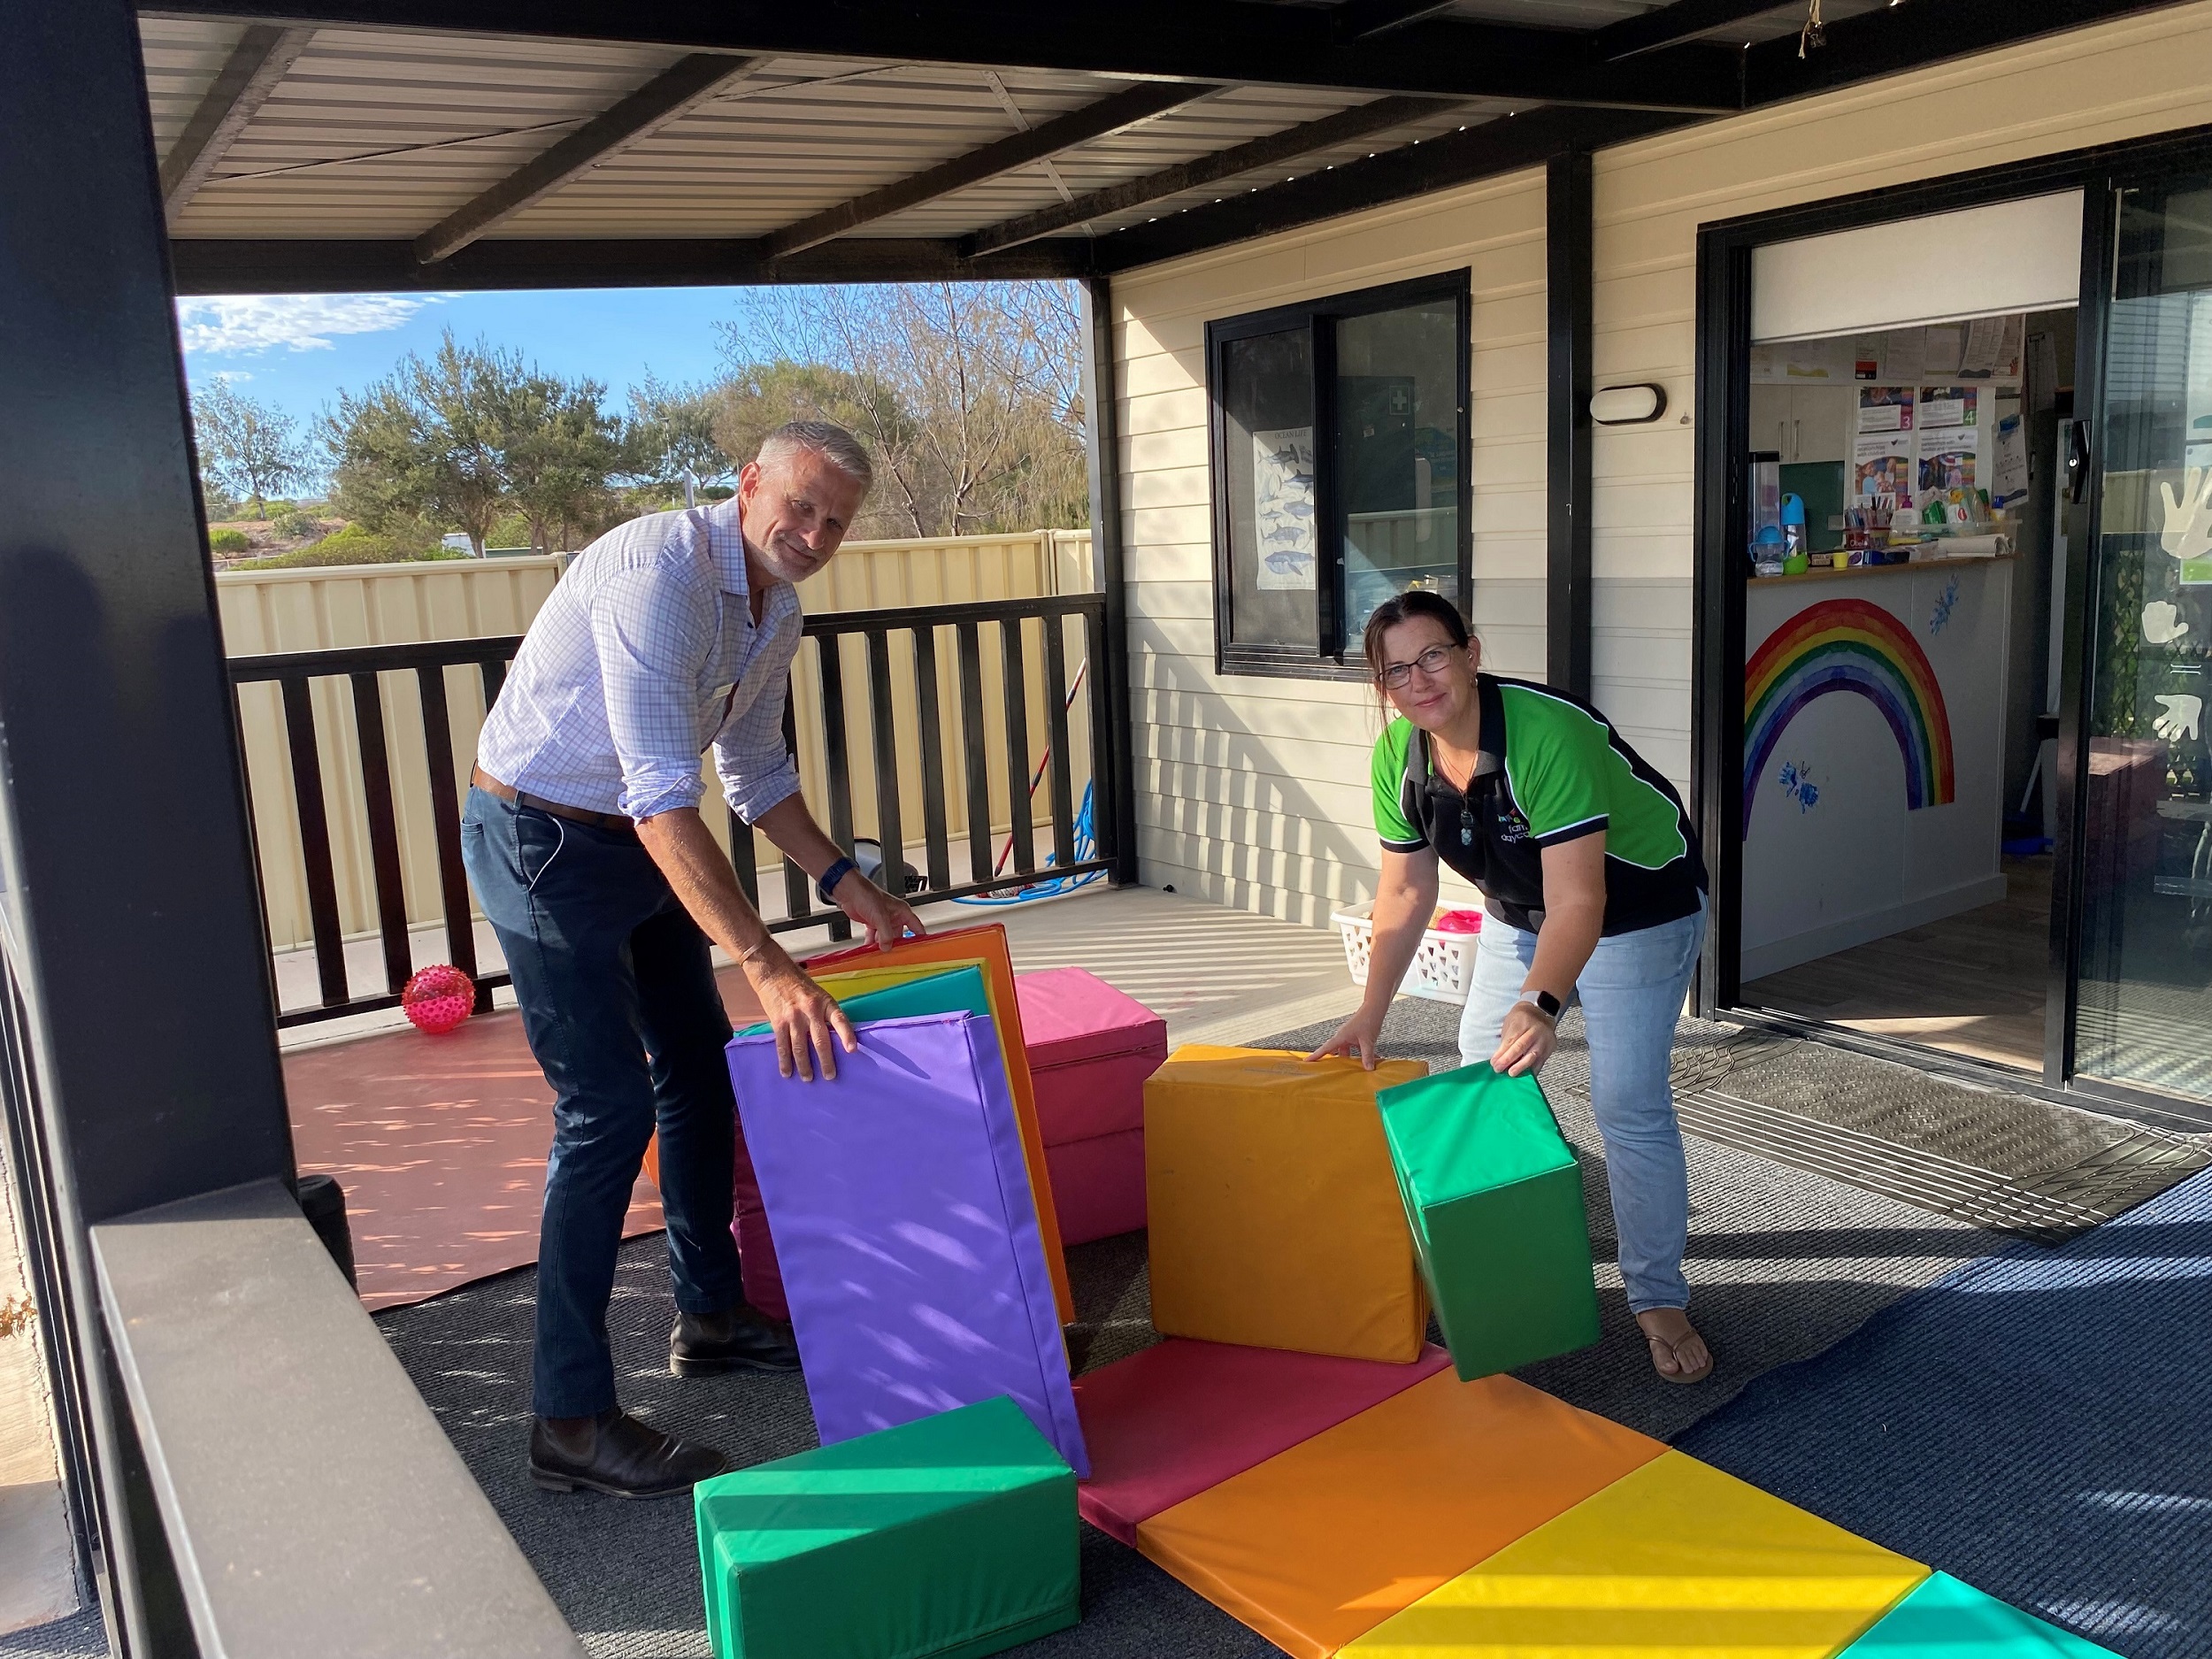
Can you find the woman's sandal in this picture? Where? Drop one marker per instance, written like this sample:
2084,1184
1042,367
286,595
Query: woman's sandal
1671,1347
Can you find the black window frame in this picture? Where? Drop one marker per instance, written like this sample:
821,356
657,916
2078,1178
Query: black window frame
1327,659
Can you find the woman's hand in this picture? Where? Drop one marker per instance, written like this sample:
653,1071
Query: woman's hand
1359,1036
803,1016
1525,1041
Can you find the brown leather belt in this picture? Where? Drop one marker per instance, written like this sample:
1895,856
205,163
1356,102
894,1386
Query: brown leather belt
616,823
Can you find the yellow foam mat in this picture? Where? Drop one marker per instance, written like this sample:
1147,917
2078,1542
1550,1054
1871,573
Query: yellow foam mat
1674,1561
860,981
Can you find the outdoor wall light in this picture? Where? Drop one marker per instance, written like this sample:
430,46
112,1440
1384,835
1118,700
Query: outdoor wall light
1628,405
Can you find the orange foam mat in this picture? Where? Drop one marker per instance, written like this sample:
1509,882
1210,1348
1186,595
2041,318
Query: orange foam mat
1674,1560
1323,1542
986,943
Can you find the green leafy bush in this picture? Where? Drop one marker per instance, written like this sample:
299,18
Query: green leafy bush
294,525
227,541
353,545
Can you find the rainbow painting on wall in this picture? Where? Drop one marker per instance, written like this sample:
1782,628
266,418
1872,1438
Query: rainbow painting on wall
1850,645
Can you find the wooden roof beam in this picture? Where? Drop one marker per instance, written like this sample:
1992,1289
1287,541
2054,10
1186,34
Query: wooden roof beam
1110,114
347,266
681,87
1671,25
262,57
1343,128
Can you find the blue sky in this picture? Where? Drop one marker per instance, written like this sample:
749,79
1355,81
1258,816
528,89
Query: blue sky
297,351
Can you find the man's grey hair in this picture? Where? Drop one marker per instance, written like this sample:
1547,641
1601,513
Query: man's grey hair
825,438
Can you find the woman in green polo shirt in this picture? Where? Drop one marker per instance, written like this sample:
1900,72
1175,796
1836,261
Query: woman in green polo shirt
1596,892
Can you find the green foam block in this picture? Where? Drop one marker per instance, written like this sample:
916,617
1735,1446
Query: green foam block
1494,1197
949,1537
1945,1619
954,991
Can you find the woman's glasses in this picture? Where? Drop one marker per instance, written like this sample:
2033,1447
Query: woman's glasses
1398,675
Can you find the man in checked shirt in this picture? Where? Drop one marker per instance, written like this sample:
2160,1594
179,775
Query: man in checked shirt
582,835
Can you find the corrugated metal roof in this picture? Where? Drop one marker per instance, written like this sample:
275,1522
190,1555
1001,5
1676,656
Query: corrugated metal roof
381,134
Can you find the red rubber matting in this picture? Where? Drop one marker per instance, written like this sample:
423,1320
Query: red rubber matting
439,1143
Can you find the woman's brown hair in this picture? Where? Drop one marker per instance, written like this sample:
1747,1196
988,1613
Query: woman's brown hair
1403,607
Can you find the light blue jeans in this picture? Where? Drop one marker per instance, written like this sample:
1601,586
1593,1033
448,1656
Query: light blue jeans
1632,991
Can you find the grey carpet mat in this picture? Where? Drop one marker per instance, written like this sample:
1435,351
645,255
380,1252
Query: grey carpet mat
626,1575
82,1636
2010,1162
2033,1424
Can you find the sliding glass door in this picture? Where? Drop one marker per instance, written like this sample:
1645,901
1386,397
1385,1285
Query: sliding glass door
2144,1004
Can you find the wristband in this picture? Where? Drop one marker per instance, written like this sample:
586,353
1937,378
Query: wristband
832,876
1550,1006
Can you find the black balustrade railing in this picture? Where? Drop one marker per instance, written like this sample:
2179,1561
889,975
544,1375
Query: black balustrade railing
1081,838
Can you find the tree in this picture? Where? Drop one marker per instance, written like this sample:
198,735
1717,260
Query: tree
966,394
556,448
755,400
246,449
462,437
412,447
671,433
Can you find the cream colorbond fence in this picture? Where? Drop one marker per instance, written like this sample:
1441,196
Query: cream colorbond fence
270,612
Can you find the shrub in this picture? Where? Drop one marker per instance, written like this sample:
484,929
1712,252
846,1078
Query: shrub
227,541
296,526
353,545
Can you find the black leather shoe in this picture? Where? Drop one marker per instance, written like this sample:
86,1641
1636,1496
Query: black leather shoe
739,1338
619,1455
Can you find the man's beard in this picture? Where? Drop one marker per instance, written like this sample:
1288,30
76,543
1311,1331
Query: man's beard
788,564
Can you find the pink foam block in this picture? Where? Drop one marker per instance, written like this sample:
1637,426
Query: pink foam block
1090,1050
1098,1184
1181,1416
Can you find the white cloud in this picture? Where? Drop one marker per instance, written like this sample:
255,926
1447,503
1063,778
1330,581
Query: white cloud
232,377
300,322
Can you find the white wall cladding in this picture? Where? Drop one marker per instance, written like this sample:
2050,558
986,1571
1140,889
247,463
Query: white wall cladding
1253,791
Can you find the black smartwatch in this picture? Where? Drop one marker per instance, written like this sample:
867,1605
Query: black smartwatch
832,876
1550,1006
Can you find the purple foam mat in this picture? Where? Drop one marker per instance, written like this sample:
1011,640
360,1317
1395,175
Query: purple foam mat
901,1208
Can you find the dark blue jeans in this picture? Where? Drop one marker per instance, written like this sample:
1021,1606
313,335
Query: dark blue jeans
619,1004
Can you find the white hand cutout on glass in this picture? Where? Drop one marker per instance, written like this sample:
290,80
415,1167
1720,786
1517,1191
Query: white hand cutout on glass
2181,718
2161,622
2188,531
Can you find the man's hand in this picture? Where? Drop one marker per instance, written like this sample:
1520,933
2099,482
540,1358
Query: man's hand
886,918
1525,1041
803,1016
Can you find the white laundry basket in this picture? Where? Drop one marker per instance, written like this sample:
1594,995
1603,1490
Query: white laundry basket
1443,967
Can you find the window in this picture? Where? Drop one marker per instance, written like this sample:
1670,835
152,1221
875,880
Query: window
1339,469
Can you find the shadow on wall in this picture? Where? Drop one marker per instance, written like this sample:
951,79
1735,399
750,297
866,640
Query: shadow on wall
1273,849
1265,840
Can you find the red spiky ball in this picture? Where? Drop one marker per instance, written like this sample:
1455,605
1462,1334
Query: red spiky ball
438,998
